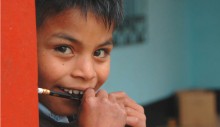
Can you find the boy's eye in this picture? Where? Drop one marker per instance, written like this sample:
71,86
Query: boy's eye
64,49
100,53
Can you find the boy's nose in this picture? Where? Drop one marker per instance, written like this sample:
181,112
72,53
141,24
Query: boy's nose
84,69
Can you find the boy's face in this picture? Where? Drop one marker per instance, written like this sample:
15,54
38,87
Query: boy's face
73,54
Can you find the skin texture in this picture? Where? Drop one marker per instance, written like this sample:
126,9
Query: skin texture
101,110
74,53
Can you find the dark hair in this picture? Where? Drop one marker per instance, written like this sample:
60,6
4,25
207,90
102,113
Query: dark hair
111,11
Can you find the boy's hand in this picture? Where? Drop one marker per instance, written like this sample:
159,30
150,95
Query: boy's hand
101,110
135,112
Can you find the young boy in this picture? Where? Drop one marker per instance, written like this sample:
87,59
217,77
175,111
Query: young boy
74,39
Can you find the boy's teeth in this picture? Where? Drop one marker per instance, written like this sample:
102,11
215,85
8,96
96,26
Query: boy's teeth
70,91
75,91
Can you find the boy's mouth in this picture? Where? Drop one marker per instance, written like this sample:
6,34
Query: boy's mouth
75,93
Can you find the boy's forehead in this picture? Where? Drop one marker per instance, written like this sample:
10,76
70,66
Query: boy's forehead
73,25
77,14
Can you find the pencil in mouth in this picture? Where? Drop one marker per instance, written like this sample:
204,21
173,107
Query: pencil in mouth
59,94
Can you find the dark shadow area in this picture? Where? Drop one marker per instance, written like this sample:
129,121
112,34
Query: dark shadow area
160,112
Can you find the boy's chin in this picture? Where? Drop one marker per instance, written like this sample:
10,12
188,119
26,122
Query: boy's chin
60,106
65,111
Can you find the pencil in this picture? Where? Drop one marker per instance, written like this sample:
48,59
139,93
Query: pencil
58,94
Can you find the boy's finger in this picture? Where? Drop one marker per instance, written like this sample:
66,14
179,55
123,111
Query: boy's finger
135,122
102,94
132,121
120,95
89,93
132,112
127,101
112,98
134,106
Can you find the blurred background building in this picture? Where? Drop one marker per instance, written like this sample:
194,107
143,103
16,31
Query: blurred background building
179,50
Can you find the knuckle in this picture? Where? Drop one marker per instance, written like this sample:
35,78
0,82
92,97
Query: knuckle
127,109
123,112
102,91
124,94
104,100
126,100
120,109
117,105
112,95
88,92
138,120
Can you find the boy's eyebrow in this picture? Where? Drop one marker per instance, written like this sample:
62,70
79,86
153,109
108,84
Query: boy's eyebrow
71,39
66,37
108,42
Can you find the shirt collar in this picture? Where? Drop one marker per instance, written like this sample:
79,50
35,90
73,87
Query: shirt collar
48,113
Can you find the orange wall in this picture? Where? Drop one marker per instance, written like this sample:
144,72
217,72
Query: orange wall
19,102
0,61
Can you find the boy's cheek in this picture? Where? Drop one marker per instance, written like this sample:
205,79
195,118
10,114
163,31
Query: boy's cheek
102,77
